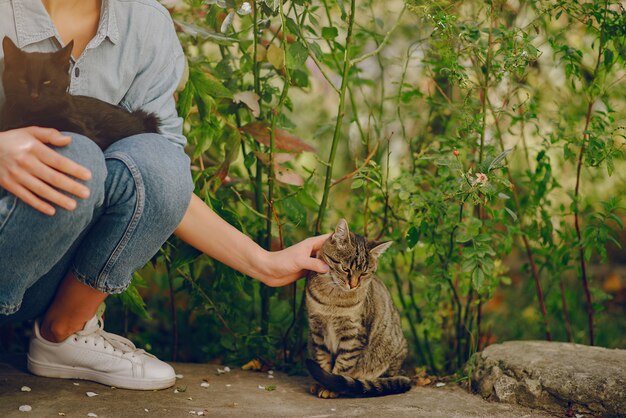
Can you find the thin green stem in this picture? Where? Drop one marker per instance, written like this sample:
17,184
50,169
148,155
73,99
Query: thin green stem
339,121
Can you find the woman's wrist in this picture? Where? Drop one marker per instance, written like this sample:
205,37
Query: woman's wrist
261,264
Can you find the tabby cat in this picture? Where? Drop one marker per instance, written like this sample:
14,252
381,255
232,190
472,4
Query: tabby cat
355,340
36,88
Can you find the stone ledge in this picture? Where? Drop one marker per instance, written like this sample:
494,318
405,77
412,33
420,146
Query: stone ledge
553,376
233,394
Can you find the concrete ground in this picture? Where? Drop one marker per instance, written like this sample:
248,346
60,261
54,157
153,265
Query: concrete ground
232,394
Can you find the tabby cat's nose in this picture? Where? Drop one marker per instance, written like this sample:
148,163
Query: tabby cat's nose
354,282
34,96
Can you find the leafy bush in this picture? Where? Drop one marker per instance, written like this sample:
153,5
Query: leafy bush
479,136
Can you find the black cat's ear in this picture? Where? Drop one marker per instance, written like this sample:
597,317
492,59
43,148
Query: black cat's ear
10,49
64,54
342,233
379,249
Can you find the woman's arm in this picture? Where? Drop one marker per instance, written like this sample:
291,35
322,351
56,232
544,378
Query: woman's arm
205,230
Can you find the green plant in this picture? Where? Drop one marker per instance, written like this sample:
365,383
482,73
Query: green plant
471,134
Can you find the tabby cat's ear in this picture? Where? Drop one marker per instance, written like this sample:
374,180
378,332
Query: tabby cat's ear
342,233
379,249
10,49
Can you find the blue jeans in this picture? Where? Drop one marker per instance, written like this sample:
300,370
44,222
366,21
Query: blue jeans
140,189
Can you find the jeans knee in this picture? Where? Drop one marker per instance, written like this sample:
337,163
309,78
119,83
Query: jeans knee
85,152
164,172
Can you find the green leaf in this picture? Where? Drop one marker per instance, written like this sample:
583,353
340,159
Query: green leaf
329,33
293,209
185,255
197,31
296,55
207,86
133,301
510,212
412,236
478,279
496,161
608,58
183,106
357,184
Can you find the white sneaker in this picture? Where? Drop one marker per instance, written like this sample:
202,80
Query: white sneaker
94,354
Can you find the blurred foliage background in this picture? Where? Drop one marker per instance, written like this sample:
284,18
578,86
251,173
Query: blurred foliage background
486,139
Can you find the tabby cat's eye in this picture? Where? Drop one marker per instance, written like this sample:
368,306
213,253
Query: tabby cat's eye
47,82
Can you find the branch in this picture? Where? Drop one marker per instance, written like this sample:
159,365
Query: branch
355,172
383,43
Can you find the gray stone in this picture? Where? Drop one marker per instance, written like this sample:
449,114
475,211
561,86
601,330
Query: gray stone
233,394
553,376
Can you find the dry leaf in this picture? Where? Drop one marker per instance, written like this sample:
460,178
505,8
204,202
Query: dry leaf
423,381
252,365
283,140
287,176
250,99
276,56
260,52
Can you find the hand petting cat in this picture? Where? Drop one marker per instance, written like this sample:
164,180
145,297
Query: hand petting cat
294,262
32,171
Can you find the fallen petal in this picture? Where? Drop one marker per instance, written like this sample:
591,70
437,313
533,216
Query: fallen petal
92,394
25,389
204,385
91,414
26,408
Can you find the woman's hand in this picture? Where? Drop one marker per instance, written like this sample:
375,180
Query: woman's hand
286,266
33,171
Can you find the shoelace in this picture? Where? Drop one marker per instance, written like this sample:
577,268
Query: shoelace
117,342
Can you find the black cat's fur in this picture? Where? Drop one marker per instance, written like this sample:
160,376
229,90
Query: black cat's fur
36,89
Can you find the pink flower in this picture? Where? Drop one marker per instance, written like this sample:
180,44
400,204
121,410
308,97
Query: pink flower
455,152
481,178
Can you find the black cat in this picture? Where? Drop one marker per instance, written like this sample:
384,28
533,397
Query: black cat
36,88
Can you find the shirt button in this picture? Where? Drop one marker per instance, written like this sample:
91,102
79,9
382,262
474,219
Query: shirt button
76,71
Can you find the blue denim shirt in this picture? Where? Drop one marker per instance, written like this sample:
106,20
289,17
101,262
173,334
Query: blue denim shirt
135,60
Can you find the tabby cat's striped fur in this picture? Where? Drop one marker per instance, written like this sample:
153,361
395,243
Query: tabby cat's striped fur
355,341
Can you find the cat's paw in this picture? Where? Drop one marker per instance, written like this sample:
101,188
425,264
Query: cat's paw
326,394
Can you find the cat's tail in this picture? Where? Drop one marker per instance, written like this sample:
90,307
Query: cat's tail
151,122
358,387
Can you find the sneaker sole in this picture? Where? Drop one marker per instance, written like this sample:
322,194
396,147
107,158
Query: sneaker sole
64,372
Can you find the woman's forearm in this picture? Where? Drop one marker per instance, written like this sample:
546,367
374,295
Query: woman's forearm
206,231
